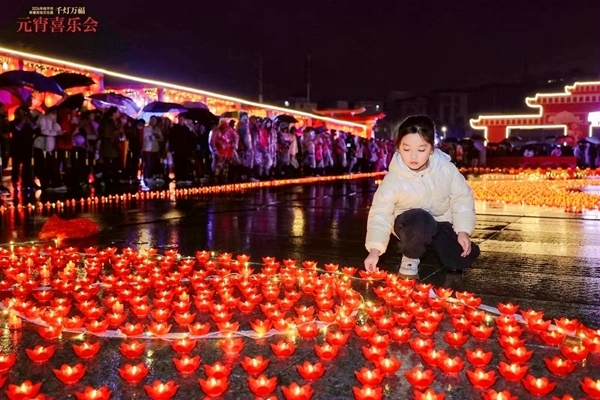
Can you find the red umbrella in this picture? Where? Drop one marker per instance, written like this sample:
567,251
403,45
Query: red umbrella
568,140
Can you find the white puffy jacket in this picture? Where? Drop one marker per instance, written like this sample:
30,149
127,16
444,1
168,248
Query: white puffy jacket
440,189
50,129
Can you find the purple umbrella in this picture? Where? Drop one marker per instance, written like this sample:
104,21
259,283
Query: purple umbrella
30,79
105,100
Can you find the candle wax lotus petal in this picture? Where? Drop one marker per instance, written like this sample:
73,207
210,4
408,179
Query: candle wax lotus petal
367,393
297,392
89,393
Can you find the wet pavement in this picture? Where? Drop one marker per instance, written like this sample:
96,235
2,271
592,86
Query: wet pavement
541,259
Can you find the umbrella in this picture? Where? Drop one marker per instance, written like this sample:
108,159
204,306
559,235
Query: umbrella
592,139
123,103
162,107
30,79
14,96
569,140
68,80
450,140
195,104
286,118
202,116
74,102
231,114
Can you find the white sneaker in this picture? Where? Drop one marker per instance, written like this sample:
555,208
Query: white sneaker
409,266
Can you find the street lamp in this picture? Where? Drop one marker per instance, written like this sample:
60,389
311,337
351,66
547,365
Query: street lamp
444,129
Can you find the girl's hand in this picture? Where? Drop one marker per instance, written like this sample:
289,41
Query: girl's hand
372,260
465,243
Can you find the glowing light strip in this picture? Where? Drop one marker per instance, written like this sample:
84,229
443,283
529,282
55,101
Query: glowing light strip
178,87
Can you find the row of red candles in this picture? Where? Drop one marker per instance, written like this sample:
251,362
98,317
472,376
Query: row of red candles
374,310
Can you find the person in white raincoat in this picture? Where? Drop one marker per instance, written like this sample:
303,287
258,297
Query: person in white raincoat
423,200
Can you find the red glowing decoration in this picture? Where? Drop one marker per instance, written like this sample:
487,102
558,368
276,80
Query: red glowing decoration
451,365
133,373
186,364
133,349
369,377
367,393
426,327
50,332
70,375
591,387
569,325
538,387
217,370
297,392
455,339
576,353
310,372
433,357
262,386
420,345
388,365
161,391
419,379
184,345
478,357
8,360
558,366
519,354
513,372
400,335
231,347
214,387
132,330
373,353
491,394
508,308
429,394
283,349
86,350
26,390
255,365
308,330
89,393
481,332
337,338
481,379
326,351
199,329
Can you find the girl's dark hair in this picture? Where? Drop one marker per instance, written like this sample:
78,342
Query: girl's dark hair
421,124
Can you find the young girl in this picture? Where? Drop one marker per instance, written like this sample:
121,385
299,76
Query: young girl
423,200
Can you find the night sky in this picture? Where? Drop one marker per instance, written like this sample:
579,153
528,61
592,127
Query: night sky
359,49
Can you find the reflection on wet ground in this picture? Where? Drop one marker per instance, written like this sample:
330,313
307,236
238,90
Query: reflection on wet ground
541,259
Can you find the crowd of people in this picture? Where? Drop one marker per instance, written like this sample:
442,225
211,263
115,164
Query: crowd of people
71,150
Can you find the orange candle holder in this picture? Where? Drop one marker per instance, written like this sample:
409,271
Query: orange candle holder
576,353
133,373
558,366
217,370
133,349
70,375
262,385
481,379
369,377
419,379
478,357
367,393
337,339
326,351
199,329
460,323
255,365
513,372
283,349
400,335
310,372
26,390
39,354
86,350
451,365
591,387
184,345
388,365
420,345
378,340
510,341
297,392
432,357
186,365
455,339
308,330
538,387
519,354
373,353
508,308
214,387
89,393
161,391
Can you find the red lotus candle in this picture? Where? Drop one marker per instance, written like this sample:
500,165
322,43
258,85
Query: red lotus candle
419,379
228,327
510,341
455,308
97,326
400,335
403,318
491,394
308,330
337,339
133,373
538,387
199,329
436,302
510,330
326,316
161,314
513,372
384,323
50,332
575,353
86,350
161,391
388,365
379,340
310,372
261,327
420,345
481,379
326,351
132,330
538,325
39,354
553,338
89,393
373,353
569,325
451,365
433,357
429,394
461,323
217,370
255,365
297,392
346,322
478,357
367,393
262,386
184,345
232,347
70,375
508,308
426,327
369,377
26,390
283,349
133,349
214,387
481,332
591,387
455,339
365,331
186,364
592,344
558,366
8,360
507,320
519,355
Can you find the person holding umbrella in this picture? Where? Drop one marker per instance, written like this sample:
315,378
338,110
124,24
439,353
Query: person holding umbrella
109,134
44,152
182,143
4,145
23,130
